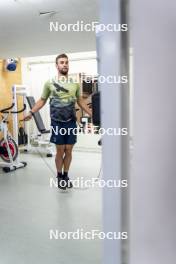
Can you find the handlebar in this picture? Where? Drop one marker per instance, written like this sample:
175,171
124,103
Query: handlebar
8,108
5,110
20,111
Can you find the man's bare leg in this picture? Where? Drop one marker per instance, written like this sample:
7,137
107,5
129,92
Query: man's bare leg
67,157
67,162
59,159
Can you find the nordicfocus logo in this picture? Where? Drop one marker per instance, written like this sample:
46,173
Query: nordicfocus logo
88,131
91,183
81,26
109,79
80,234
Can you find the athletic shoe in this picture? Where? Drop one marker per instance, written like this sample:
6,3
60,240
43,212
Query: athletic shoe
69,183
61,183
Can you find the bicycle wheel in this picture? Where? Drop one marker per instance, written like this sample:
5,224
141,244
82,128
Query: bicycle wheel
13,149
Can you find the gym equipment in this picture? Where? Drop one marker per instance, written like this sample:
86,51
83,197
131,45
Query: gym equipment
3,150
22,136
8,146
33,140
41,127
87,87
37,116
96,109
11,64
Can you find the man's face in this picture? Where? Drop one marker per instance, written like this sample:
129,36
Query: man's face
62,66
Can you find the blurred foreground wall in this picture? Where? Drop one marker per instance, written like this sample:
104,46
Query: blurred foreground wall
153,180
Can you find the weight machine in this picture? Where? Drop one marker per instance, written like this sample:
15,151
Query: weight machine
38,140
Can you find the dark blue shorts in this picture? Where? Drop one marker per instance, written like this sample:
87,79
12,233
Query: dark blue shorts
63,133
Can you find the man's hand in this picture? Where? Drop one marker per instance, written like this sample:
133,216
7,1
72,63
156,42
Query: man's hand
27,117
90,112
81,102
38,105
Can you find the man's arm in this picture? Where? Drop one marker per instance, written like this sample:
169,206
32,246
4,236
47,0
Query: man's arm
84,106
38,105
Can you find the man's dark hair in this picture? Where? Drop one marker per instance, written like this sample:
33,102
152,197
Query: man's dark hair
61,56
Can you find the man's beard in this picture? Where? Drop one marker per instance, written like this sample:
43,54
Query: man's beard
64,72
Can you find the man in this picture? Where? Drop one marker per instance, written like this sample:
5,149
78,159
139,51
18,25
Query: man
63,94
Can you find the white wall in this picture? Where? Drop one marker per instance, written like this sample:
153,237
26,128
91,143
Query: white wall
153,182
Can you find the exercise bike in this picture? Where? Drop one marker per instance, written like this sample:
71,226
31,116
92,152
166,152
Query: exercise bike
8,146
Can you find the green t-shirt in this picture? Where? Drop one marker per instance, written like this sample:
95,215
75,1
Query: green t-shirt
71,92
63,95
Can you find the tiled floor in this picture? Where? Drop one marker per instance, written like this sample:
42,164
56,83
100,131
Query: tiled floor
30,208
